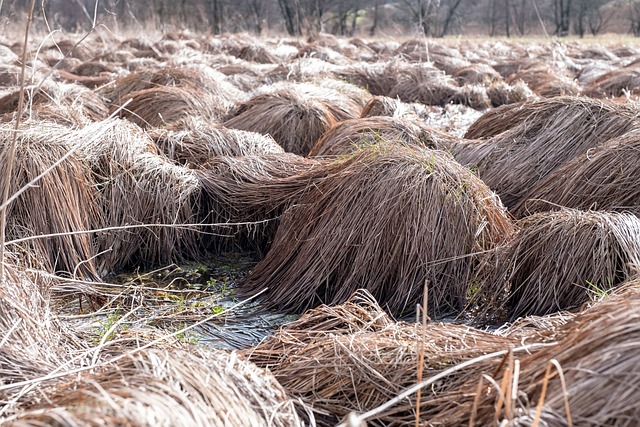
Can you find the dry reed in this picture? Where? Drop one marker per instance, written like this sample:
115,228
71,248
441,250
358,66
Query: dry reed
353,357
138,186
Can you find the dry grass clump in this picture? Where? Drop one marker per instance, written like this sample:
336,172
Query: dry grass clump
559,260
295,116
426,85
601,179
545,82
140,186
202,81
378,79
64,103
166,388
64,200
385,106
501,93
351,135
617,82
353,358
599,360
33,342
193,142
474,96
388,219
531,140
252,191
162,105
257,53
477,74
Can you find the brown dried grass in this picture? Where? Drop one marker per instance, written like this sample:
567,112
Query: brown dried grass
295,117
164,105
601,179
424,84
63,200
476,74
545,82
530,141
615,83
252,191
559,260
64,103
362,225
34,342
502,93
165,388
138,186
351,135
353,357
202,81
193,142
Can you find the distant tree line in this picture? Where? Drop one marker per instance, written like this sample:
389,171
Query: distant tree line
436,18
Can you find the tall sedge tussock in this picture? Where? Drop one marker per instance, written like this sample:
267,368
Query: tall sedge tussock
388,219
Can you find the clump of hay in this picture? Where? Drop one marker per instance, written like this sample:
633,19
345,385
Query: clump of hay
200,81
601,179
477,74
615,83
140,186
368,359
295,116
385,106
258,53
501,93
545,82
378,79
474,96
598,356
424,84
252,191
193,142
64,200
531,140
33,340
65,103
164,387
162,105
559,260
431,217
351,135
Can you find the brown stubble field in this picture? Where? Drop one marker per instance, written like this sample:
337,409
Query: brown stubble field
235,230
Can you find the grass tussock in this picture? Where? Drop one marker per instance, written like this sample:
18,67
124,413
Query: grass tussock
138,185
368,359
389,219
294,116
194,142
166,388
253,190
559,261
527,142
351,135
63,200
164,105
601,179
615,83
